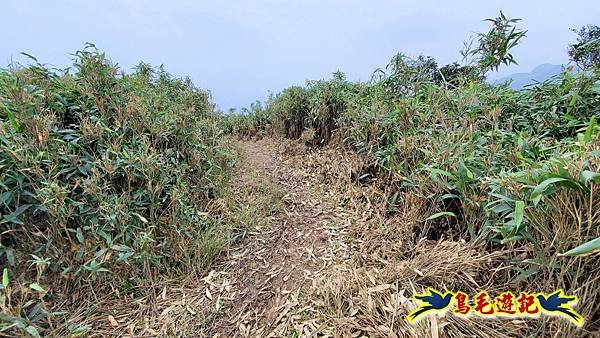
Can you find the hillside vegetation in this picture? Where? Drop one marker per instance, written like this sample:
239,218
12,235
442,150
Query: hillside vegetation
130,206
502,169
106,185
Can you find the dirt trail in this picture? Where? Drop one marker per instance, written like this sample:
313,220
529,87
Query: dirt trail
273,264
319,260
306,261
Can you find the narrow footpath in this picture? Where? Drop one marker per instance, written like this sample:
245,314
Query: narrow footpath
270,267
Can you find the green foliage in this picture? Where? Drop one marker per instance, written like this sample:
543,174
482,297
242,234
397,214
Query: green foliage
405,76
293,108
586,52
494,47
456,75
327,99
585,248
493,162
106,179
254,121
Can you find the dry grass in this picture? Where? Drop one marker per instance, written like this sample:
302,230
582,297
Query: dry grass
379,263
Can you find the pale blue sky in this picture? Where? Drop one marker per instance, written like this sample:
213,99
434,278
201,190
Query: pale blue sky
241,49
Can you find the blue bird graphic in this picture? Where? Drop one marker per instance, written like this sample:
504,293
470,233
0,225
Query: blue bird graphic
431,301
557,303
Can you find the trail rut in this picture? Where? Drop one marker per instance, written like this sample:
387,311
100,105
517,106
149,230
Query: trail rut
272,265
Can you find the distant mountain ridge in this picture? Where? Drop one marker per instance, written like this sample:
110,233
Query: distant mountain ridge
540,73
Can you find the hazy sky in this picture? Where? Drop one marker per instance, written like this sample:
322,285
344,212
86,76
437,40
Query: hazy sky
240,50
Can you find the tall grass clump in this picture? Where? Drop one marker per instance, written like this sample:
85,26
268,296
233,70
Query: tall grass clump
285,114
250,122
106,186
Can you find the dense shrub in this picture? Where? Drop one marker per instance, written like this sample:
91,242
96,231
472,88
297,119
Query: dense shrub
106,182
253,122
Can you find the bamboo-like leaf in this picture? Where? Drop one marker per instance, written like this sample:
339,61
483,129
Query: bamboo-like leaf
537,193
587,176
13,217
512,239
441,214
519,212
36,287
32,331
79,235
584,249
436,171
5,279
589,133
